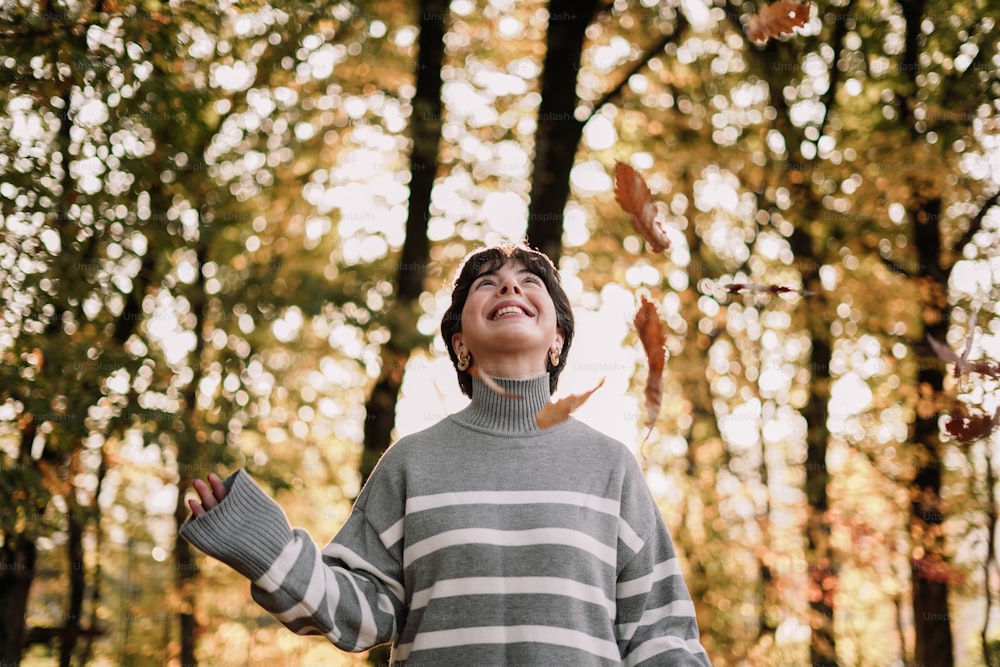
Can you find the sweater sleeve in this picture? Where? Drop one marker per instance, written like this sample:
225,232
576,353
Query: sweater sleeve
350,592
656,623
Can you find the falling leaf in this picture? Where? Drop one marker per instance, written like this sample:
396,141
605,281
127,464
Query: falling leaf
736,288
932,568
493,384
962,363
632,193
650,329
777,19
559,411
968,428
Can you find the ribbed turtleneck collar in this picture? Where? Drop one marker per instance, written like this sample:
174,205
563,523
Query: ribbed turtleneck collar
493,412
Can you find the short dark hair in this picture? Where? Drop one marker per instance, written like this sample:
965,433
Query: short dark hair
491,258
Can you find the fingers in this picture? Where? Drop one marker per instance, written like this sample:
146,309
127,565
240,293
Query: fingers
205,494
210,494
196,507
217,488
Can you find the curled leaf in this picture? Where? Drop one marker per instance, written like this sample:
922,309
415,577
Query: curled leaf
736,288
559,411
777,19
634,196
492,384
650,330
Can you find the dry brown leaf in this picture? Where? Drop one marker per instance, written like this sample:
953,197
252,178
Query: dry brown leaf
559,411
492,384
777,19
736,288
650,329
632,193
971,427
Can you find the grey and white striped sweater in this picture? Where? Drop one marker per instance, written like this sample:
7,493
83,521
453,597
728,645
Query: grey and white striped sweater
481,540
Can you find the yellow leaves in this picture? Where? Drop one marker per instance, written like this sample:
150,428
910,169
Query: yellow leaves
776,20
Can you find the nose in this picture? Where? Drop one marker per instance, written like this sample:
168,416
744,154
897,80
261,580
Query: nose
510,284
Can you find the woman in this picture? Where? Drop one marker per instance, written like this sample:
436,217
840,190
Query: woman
482,539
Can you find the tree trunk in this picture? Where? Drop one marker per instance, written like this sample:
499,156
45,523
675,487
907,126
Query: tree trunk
425,130
17,570
185,575
559,131
188,465
823,570
932,627
86,653
77,585
380,409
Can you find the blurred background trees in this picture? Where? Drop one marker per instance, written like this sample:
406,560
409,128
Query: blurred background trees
228,232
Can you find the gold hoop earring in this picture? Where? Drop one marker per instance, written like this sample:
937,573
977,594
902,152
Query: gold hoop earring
554,357
463,363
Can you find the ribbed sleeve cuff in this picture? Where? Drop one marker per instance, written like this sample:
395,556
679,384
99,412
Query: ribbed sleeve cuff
246,531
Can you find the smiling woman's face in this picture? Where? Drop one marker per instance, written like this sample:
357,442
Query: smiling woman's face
508,323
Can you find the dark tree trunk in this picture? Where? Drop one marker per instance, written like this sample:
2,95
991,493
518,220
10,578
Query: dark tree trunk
559,132
425,131
913,15
380,409
77,586
186,573
932,623
17,570
189,459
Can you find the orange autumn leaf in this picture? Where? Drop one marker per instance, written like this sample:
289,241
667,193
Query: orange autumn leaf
634,196
559,411
650,329
492,384
777,19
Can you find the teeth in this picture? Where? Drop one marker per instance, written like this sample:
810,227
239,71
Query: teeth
507,310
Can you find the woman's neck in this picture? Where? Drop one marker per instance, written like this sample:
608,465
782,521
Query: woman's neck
502,414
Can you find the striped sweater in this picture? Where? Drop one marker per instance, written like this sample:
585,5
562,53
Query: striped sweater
481,540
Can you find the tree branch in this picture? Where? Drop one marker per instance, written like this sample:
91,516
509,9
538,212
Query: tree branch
990,564
976,224
639,65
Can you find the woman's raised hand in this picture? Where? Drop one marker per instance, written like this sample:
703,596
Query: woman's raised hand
211,494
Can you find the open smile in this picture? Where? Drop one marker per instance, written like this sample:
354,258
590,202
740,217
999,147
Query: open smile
510,310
